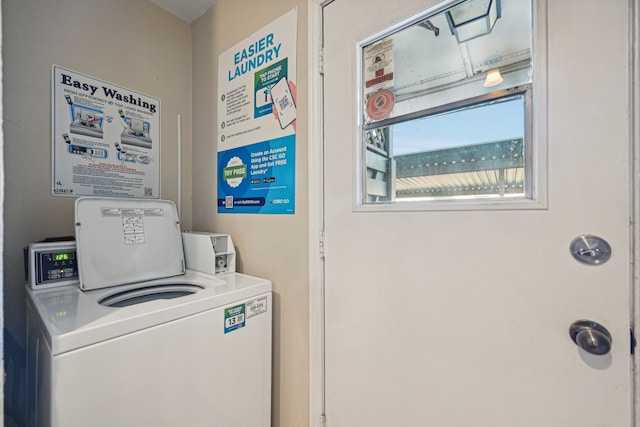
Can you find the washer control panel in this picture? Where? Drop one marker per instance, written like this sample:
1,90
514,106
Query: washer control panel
50,264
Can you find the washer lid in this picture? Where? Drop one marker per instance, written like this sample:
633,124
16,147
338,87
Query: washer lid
122,241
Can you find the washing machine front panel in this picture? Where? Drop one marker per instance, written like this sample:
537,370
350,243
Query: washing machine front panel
194,371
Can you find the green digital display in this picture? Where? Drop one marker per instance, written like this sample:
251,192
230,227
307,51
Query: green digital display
62,256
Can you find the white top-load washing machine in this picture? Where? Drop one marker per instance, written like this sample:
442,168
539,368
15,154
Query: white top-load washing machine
143,341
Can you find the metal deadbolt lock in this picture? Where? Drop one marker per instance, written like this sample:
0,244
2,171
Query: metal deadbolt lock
591,336
590,249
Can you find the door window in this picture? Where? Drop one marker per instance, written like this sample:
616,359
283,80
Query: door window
446,108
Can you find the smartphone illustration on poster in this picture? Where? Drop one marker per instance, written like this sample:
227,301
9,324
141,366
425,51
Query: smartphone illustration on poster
283,102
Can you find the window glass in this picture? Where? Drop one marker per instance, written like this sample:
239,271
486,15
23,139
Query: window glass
446,106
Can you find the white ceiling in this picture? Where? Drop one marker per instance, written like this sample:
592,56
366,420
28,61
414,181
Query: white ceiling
187,10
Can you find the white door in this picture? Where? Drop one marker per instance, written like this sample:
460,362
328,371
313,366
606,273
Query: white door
461,317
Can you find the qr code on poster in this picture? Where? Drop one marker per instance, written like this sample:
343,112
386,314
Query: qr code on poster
148,191
228,202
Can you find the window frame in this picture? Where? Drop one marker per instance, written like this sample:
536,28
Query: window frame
535,132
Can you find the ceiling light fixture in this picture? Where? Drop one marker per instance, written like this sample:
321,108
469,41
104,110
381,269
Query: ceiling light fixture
473,18
494,78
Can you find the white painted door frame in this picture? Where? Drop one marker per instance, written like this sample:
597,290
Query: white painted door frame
634,110
316,223
316,220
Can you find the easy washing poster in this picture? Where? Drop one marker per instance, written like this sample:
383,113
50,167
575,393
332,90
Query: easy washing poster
257,121
105,138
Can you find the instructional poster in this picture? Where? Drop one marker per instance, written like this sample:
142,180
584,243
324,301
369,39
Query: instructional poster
378,70
106,139
257,121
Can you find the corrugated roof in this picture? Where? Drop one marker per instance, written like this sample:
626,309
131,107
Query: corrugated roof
492,168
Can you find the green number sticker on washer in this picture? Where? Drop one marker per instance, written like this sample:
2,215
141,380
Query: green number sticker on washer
234,318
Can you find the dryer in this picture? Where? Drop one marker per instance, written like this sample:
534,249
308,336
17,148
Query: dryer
143,341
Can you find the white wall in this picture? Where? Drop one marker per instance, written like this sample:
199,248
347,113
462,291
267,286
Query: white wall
131,43
271,246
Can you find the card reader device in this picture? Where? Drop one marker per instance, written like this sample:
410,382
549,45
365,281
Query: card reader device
210,253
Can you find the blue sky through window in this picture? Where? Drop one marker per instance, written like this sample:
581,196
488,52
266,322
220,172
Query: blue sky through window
486,123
